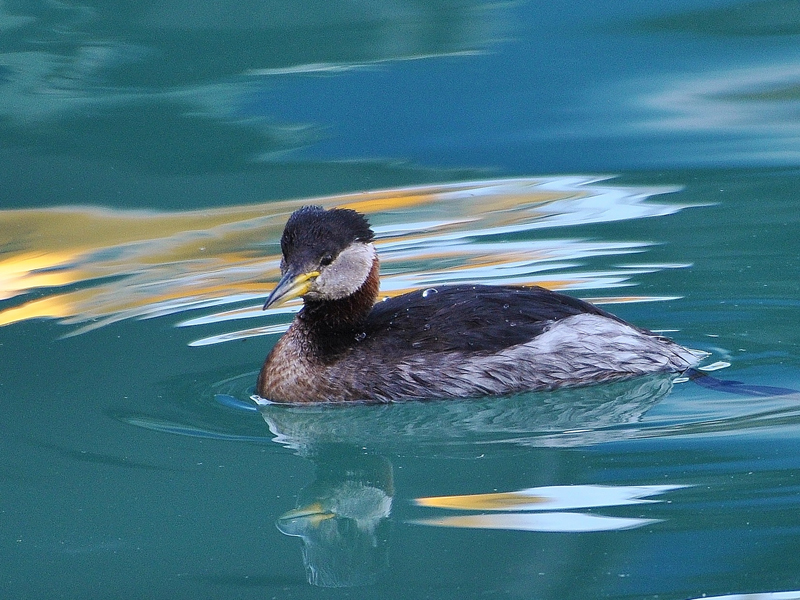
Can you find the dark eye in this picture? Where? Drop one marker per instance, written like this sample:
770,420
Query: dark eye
325,260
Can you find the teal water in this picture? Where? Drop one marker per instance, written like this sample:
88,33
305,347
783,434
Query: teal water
638,155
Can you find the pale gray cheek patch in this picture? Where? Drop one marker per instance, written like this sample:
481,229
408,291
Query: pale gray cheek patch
345,274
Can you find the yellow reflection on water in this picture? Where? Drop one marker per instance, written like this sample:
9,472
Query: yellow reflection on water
32,270
494,501
93,266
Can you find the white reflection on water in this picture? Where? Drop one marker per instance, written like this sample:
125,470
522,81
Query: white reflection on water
548,522
94,266
757,99
745,113
795,595
551,498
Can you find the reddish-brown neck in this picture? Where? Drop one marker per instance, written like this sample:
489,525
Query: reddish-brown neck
331,324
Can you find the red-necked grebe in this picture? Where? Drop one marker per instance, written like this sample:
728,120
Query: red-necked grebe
451,341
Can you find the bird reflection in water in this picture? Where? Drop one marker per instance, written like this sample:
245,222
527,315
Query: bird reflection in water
562,418
343,516
343,519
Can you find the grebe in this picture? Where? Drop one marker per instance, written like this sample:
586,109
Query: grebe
451,341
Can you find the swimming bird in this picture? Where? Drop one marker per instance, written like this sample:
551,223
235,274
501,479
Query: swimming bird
449,341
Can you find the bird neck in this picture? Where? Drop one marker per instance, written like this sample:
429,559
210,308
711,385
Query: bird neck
334,322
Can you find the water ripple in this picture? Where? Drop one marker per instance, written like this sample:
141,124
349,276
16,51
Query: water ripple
92,266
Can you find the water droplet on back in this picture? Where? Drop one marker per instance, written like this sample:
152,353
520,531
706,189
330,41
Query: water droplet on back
429,292
360,336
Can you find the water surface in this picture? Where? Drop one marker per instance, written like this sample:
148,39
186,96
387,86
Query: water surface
637,155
